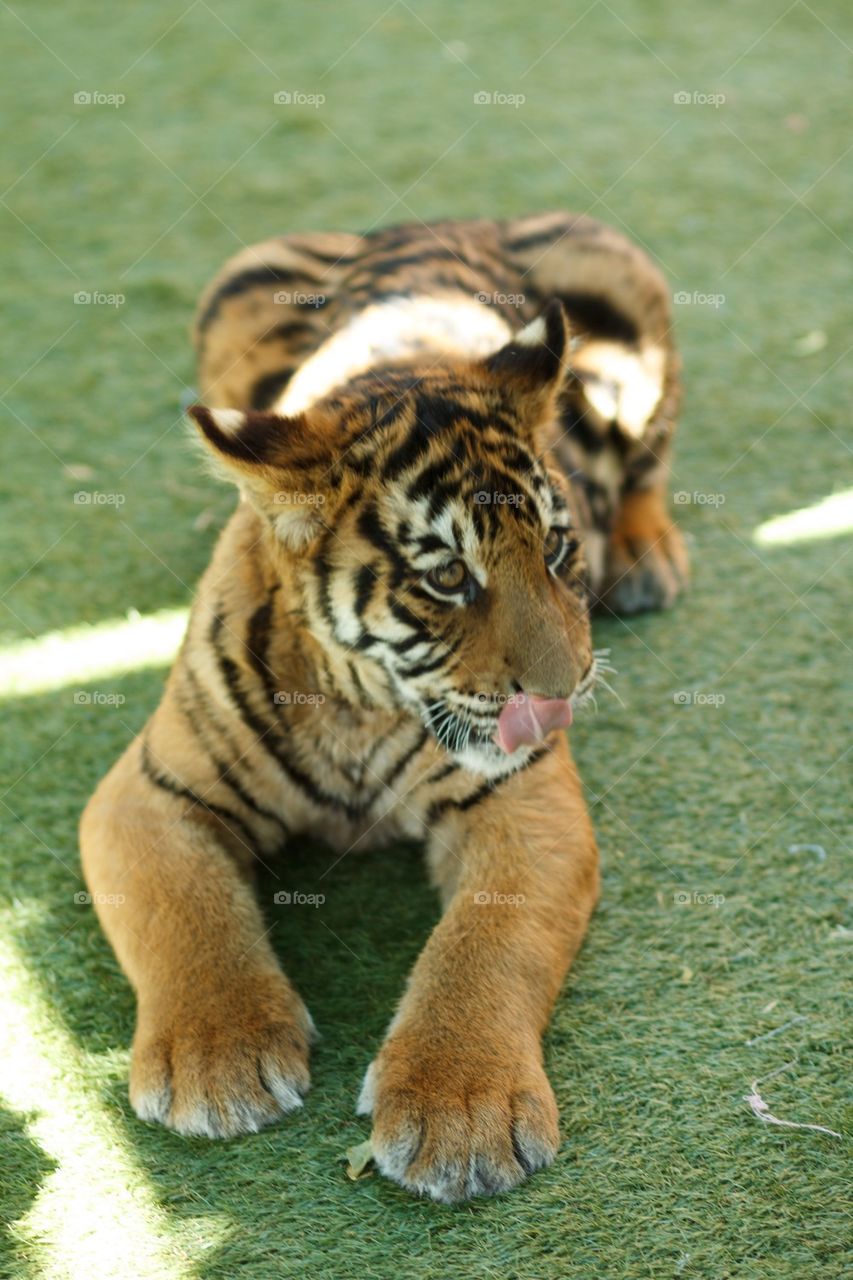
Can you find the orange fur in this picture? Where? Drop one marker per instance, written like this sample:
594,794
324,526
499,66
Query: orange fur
319,644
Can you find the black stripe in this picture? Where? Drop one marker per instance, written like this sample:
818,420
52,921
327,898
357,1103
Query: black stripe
535,239
429,664
364,697
432,481
408,619
407,758
444,772
268,732
461,282
266,390
381,261
330,259
364,583
226,771
440,807
371,528
406,455
431,542
438,412
289,329
596,315
639,467
181,792
258,641
577,424
251,278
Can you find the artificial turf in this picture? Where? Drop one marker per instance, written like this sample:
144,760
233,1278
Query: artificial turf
673,1008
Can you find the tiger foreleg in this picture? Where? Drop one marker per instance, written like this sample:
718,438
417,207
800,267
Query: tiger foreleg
221,1043
460,1101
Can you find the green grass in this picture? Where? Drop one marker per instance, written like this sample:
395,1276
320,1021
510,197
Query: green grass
664,1171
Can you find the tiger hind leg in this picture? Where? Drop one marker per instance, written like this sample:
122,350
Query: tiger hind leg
620,404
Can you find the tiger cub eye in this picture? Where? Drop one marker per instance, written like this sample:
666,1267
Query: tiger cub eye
451,576
555,540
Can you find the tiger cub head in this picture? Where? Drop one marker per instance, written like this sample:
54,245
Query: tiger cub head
431,538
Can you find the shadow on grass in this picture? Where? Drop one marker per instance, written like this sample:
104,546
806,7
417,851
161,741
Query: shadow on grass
347,930
25,1167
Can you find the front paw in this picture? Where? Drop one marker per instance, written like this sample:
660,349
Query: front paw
225,1064
647,565
457,1124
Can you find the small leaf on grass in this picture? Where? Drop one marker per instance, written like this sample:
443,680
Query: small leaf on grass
686,974
358,1158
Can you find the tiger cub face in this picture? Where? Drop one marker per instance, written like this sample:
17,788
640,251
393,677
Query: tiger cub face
432,539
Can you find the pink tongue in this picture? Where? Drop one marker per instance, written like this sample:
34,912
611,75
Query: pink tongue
527,719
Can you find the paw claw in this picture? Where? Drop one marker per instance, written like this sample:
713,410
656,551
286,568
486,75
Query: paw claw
224,1074
454,1140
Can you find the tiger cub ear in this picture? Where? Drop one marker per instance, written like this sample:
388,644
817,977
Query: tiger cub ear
535,358
283,465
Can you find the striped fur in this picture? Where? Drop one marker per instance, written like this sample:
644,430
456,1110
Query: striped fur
450,442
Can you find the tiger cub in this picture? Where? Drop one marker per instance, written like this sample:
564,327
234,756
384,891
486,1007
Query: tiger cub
450,442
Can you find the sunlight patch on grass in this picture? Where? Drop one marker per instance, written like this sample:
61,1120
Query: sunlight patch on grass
84,653
95,1210
828,518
